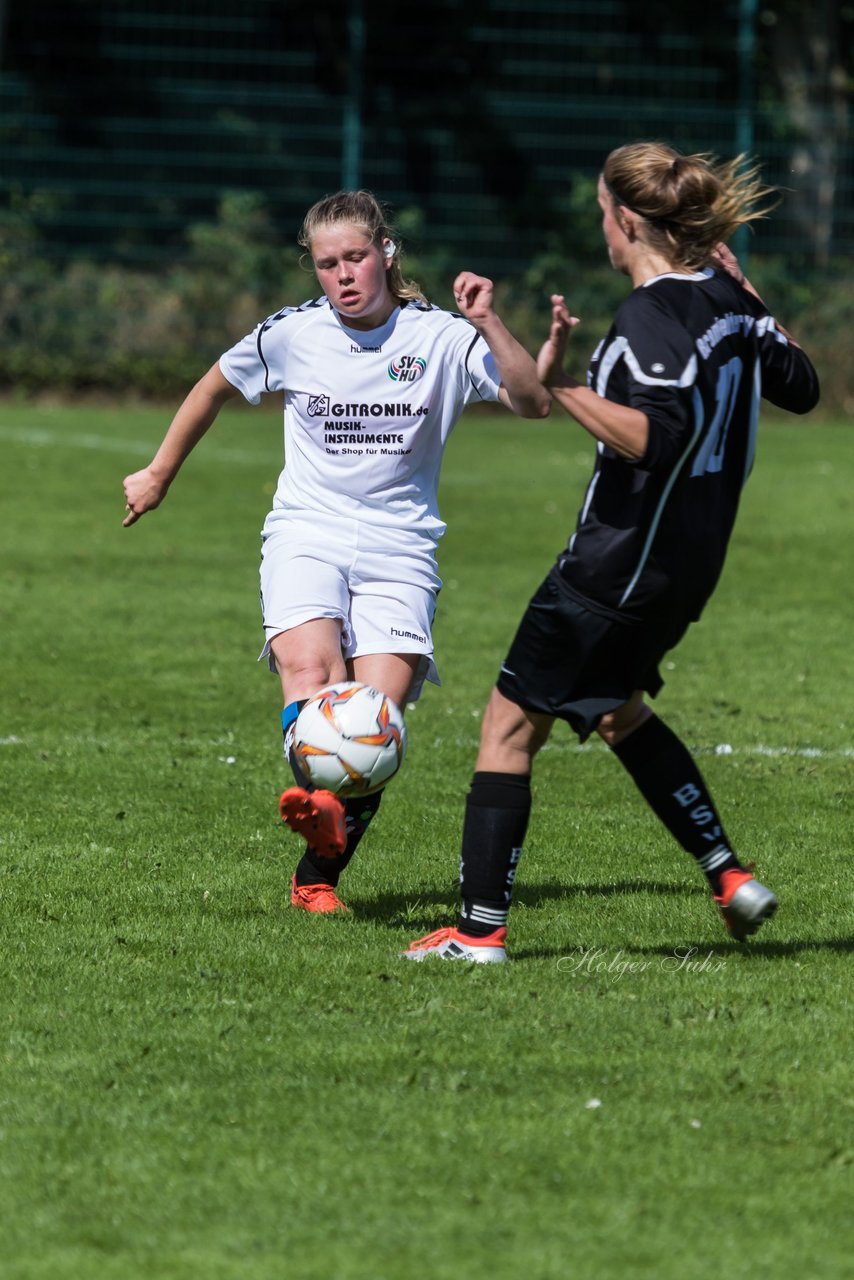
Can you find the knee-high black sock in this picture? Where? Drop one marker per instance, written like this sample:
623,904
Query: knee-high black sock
497,810
314,868
668,779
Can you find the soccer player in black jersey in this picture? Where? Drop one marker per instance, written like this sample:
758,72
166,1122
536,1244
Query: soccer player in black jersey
672,399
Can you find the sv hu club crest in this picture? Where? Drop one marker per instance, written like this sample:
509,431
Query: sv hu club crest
407,368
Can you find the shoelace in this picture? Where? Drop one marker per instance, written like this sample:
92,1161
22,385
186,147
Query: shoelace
316,892
437,936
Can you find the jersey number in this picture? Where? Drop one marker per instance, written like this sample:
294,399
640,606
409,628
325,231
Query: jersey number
710,455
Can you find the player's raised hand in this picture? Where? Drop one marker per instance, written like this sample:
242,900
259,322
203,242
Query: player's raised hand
724,258
473,295
550,359
143,492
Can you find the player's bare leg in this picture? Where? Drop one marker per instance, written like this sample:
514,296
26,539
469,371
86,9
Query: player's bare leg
618,725
391,673
308,657
496,819
332,828
510,736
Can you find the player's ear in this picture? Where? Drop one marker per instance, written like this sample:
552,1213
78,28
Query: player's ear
389,248
627,222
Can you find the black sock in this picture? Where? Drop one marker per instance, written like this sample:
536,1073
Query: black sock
315,868
668,779
497,810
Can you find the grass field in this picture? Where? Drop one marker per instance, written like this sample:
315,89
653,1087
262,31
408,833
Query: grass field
197,1081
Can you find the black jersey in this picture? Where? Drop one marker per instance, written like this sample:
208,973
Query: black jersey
694,353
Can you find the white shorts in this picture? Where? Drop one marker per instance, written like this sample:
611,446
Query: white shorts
381,584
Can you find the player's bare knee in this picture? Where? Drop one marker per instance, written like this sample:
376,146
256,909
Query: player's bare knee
619,724
309,679
301,679
537,735
508,732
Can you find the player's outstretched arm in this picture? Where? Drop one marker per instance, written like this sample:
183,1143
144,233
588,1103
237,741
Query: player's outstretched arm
146,489
553,350
521,389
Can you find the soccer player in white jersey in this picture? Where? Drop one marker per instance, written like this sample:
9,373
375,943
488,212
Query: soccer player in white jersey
373,379
672,400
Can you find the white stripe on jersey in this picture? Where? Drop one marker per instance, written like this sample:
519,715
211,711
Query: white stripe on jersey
767,324
588,498
705,274
620,348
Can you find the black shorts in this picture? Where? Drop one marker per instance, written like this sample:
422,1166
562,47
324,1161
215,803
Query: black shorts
577,664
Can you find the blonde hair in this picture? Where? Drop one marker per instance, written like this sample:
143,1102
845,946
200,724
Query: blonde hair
689,203
363,210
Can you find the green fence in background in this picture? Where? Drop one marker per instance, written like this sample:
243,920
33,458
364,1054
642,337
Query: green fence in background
129,120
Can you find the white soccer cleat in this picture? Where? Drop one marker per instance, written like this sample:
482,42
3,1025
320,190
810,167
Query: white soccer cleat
450,944
744,903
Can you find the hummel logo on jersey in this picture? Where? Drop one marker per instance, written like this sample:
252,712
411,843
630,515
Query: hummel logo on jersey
318,406
407,368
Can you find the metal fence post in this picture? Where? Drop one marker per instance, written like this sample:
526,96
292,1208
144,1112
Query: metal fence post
351,158
744,130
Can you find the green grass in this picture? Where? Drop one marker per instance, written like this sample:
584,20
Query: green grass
196,1081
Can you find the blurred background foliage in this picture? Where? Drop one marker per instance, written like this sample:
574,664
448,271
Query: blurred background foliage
156,160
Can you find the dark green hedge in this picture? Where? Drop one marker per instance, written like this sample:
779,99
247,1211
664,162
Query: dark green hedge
86,326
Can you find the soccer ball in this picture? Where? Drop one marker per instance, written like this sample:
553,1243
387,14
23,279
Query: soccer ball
349,739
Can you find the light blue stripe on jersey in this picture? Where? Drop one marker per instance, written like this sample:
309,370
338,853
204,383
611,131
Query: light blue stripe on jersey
753,426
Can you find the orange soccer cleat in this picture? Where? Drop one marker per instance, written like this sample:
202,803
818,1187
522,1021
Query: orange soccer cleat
321,898
318,816
450,944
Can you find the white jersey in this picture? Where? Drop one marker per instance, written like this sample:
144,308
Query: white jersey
367,413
